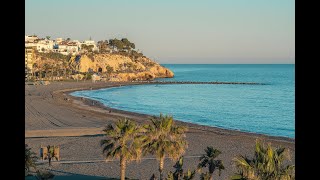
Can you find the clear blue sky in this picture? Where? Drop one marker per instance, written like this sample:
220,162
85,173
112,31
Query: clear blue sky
176,31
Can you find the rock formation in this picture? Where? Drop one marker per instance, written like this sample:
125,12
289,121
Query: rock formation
112,67
121,68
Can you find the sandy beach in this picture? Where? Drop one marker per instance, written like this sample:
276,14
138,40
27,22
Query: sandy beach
54,117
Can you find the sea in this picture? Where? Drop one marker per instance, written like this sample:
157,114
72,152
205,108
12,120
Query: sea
264,109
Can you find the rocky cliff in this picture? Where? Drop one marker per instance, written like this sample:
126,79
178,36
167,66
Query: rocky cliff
121,68
112,67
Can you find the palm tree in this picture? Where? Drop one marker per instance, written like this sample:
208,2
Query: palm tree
122,141
179,174
51,154
164,138
176,175
208,159
189,175
46,68
34,69
153,177
245,168
205,176
29,159
267,163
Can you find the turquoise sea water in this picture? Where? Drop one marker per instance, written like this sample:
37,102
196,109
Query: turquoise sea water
265,109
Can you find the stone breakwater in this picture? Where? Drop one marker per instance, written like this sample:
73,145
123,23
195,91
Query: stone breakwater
196,82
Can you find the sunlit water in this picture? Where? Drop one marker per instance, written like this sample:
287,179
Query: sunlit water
265,109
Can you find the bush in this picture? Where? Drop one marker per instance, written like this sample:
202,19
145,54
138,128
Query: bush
32,79
88,76
90,55
44,175
55,56
30,159
267,163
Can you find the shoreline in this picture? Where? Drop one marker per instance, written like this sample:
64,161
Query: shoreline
190,125
54,117
98,105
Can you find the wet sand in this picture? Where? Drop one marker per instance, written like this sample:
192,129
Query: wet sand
54,117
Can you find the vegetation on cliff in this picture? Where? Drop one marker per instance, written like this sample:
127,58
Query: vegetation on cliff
117,60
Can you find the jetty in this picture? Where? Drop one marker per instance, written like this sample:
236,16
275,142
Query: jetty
199,82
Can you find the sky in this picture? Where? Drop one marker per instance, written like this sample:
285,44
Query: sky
176,31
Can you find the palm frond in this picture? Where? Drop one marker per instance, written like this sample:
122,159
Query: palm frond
162,137
30,158
203,163
189,175
122,139
205,176
209,159
267,163
108,147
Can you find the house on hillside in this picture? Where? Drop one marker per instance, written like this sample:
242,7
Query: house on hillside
72,48
62,48
89,43
45,45
30,39
29,58
59,40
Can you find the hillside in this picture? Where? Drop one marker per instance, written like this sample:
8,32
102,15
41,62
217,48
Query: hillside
111,67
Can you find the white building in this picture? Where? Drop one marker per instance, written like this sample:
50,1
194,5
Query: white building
41,45
30,44
59,40
31,38
78,43
45,46
63,49
67,48
90,42
73,48
59,45
29,58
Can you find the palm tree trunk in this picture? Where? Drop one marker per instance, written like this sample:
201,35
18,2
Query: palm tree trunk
122,168
211,176
161,168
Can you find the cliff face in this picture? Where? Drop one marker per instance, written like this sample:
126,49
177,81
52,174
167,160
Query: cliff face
122,68
110,66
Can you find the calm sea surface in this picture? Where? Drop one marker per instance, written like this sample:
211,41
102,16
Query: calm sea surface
265,109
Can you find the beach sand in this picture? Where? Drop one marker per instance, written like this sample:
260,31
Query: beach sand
52,117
